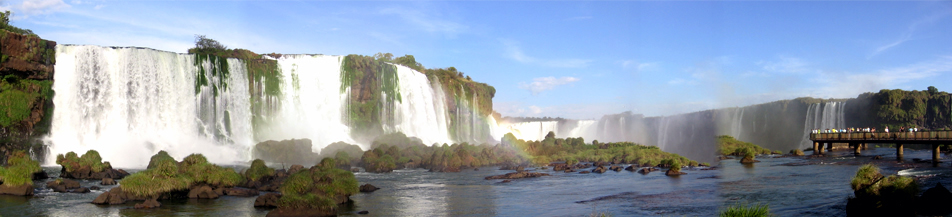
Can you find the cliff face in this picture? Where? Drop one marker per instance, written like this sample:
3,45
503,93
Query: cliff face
26,95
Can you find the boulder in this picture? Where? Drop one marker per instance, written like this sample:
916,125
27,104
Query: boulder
517,175
673,173
22,190
81,190
107,181
584,172
240,192
367,188
363,212
631,168
202,192
86,173
646,170
267,200
748,161
148,204
615,168
569,170
355,170
599,169
40,175
94,188
62,185
295,168
935,201
114,196
283,212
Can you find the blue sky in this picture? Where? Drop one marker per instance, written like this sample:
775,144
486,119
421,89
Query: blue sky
575,59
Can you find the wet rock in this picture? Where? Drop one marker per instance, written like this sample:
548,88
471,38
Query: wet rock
115,196
355,170
674,173
877,157
560,167
295,168
62,185
475,169
87,173
748,161
367,188
202,192
22,190
506,181
267,200
599,169
615,168
148,204
281,212
40,175
107,181
584,172
94,188
517,175
240,192
363,212
647,170
81,190
569,170
935,201
631,168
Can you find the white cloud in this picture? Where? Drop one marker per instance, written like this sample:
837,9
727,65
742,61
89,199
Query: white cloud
881,79
546,83
907,35
639,66
535,110
785,65
426,22
35,7
513,51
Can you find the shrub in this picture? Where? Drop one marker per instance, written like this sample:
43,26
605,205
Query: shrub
676,166
318,187
166,175
90,160
756,210
19,170
257,170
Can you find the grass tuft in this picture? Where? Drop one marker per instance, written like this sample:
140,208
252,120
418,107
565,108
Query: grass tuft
756,210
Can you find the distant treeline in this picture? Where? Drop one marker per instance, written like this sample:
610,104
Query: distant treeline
929,109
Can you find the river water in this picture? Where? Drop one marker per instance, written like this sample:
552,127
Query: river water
791,186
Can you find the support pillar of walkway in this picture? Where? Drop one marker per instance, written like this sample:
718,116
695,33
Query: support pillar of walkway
865,146
822,147
816,148
899,151
856,148
935,155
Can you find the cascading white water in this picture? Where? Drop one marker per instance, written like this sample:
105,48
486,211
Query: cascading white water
823,116
311,102
422,112
129,103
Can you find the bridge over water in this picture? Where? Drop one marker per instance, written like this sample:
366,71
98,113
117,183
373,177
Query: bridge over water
859,140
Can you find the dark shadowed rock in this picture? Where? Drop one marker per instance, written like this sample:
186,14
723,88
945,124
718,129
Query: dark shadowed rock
40,175
107,181
355,170
646,170
615,168
599,169
295,168
363,212
267,200
281,212
748,161
935,201
584,172
367,188
94,188
240,192
22,190
202,192
81,190
148,204
517,175
62,185
506,181
631,168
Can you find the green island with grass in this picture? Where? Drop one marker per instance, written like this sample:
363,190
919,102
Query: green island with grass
165,175
317,190
19,170
729,146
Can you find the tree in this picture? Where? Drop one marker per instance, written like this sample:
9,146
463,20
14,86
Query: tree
933,90
206,44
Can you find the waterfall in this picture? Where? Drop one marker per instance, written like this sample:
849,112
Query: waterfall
311,102
422,112
129,103
822,116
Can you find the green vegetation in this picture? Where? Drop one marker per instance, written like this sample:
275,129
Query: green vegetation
452,158
675,166
875,194
5,25
929,109
321,187
756,210
374,91
165,175
727,145
258,170
90,160
18,97
19,170
264,74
